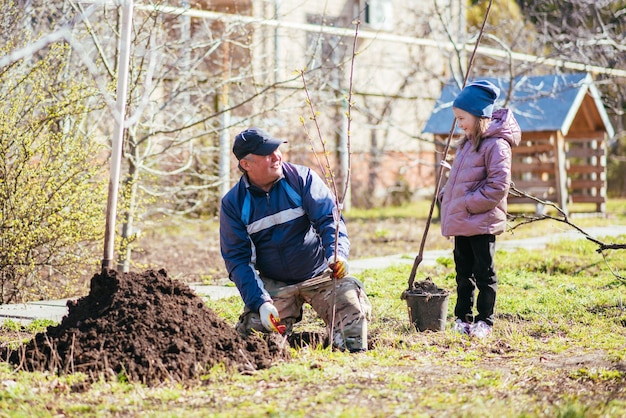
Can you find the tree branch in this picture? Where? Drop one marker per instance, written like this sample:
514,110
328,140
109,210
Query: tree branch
526,219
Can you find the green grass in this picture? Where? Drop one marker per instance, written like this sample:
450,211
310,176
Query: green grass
414,210
558,349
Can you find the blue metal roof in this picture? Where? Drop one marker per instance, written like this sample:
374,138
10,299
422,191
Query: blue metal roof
540,103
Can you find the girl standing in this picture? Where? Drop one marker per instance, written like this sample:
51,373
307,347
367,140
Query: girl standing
473,201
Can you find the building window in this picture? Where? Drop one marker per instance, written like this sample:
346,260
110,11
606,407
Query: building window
375,14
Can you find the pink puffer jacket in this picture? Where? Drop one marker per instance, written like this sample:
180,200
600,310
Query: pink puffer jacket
473,201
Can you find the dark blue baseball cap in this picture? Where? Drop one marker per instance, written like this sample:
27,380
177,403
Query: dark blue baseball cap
255,141
478,98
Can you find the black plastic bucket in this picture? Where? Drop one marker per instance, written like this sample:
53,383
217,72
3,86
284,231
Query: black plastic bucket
428,311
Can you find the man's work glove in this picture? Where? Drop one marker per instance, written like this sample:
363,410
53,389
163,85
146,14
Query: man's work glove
270,318
339,267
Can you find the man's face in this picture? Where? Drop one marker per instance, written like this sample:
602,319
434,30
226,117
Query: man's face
263,170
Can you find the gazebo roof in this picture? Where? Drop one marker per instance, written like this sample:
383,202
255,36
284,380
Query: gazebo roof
540,103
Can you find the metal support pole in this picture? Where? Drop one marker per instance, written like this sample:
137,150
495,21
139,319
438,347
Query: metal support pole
118,134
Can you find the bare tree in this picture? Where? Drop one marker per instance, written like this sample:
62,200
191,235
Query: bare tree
590,32
189,78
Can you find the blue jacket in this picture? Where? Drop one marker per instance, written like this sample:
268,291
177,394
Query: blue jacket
286,234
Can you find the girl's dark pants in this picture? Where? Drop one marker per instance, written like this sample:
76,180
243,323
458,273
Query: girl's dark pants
475,268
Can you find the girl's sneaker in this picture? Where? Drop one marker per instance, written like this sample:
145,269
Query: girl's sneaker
461,327
480,330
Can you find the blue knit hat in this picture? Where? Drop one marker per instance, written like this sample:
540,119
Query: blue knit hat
477,98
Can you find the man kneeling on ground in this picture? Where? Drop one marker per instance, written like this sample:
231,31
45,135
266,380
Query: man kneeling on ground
277,237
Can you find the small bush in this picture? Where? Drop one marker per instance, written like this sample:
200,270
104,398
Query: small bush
51,198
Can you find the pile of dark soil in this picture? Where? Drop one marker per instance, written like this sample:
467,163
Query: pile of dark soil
147,328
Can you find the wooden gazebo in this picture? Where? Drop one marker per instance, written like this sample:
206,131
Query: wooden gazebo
565,130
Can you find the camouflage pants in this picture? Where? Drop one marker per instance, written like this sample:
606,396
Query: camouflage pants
348,319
